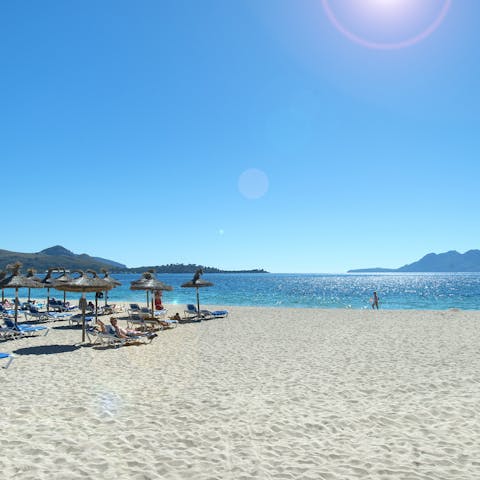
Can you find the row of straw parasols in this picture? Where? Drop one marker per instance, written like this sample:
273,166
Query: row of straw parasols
87,282
83,283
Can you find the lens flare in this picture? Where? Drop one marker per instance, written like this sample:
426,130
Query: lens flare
386,24
253,183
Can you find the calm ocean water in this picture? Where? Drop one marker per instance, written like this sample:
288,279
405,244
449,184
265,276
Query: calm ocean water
428,291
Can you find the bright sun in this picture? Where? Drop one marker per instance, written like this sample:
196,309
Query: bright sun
385,5
386,24
387,2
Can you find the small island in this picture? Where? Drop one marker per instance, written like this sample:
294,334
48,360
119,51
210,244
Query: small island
186,268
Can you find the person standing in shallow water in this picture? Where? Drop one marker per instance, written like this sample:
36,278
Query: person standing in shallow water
375,301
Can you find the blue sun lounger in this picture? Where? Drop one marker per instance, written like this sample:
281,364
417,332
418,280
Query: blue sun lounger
25,327
10,358
192,312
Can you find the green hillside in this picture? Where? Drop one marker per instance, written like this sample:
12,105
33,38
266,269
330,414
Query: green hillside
53,257
60,257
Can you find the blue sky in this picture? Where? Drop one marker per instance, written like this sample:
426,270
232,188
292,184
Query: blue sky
239,134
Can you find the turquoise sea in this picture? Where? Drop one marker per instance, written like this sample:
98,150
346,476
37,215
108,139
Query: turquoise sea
427,291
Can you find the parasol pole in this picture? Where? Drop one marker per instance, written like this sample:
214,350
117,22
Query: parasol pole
96,308
198,302
84,302
16,304
48,299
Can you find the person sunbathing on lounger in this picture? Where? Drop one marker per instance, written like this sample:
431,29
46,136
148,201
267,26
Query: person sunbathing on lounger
125,333
114,329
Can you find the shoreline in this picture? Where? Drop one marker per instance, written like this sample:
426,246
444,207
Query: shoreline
173,307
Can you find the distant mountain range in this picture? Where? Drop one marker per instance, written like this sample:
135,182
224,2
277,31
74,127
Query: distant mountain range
60,257
54,257
451,261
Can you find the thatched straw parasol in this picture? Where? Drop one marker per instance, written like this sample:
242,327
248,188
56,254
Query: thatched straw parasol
31,275
149,283
16,280
197,283
112,281
48,282
63,278
83,284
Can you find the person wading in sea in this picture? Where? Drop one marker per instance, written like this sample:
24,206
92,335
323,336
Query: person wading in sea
375,301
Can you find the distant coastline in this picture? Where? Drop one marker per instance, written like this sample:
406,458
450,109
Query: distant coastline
182,268
61,258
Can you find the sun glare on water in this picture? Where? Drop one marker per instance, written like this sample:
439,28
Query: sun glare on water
386,24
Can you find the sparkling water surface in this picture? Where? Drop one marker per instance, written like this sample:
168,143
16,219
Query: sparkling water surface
425,291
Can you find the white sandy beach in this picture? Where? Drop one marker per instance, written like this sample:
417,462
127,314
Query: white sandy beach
264,394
